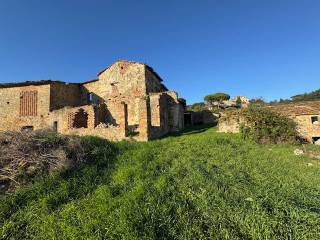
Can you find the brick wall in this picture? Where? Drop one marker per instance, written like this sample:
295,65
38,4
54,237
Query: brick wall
24,106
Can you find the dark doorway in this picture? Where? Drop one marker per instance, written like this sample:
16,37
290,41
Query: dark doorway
55,126
187,119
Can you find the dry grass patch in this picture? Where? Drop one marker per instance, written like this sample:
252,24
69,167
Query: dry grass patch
26,155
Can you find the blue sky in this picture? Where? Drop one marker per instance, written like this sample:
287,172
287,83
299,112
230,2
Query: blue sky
267,48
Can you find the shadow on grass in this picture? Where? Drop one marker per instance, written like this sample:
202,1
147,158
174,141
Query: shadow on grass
60,188
194,129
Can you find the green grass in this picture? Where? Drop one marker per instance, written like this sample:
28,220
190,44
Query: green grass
199,185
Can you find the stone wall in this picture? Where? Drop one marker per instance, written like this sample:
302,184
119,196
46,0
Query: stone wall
153,83
167,114
62,95
155,109
127,100
229,122
83,121
176,112
309,131
151,112
229,125
306,128
159,115
122,81
24,106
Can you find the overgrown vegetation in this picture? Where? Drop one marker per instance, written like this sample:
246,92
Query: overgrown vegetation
200,185
265,126
197,107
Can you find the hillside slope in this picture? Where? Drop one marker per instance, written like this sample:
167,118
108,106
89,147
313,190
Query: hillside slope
200,185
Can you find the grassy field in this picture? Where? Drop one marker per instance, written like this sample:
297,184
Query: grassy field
199,185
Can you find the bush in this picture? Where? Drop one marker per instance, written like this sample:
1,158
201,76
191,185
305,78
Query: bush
265,126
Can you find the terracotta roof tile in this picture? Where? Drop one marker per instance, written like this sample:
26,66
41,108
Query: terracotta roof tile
297,108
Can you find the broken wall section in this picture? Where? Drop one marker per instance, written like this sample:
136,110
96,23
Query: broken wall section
93,120
153,82
306,128
65,94
166,114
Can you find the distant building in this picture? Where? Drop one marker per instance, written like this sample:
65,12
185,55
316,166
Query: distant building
240,101
305,114
237,101
127,99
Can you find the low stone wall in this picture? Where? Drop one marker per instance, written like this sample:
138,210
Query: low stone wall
229,122
229,126
111,132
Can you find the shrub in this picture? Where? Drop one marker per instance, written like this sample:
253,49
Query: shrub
266,126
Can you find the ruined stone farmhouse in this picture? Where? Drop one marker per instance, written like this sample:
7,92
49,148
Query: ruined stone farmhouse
305,114
128,99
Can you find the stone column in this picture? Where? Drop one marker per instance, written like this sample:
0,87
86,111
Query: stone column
121,114
144,119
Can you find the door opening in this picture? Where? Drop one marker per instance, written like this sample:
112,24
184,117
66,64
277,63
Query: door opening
55,126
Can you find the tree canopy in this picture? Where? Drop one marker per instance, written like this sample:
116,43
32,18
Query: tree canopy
258,101
217,97
315,95
311,96
196,107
